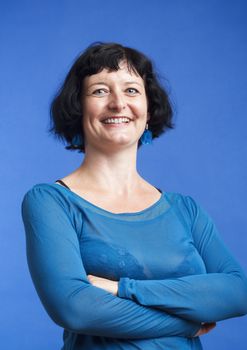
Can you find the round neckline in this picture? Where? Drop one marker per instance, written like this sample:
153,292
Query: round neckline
100,209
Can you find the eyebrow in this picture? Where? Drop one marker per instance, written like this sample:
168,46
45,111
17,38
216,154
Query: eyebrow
104,83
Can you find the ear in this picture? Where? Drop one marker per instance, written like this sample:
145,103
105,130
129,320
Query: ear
148,116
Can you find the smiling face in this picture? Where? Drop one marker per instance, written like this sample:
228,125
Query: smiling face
114,108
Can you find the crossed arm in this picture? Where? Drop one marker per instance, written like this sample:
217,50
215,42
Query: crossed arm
219,294
112,287
61,282
143,310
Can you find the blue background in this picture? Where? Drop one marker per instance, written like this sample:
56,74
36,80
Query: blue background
200,47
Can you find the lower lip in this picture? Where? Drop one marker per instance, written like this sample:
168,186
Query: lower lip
117,125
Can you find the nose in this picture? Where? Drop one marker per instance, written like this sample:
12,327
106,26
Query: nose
117,101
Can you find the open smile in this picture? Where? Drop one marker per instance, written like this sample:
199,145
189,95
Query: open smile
116,120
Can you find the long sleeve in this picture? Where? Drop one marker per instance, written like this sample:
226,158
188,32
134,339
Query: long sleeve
219,294
60,279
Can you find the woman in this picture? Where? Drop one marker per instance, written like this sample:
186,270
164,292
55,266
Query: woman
116,262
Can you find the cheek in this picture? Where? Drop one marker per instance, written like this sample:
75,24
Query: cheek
88,109
89,112
141,108
92,108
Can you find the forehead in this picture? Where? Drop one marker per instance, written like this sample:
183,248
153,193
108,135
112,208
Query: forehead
122,75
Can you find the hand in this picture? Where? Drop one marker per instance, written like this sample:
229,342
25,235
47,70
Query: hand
206,327
103,283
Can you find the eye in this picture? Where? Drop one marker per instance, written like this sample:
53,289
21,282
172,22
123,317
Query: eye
100,92
132,91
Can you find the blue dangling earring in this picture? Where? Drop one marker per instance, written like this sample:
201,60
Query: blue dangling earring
146,138
77,141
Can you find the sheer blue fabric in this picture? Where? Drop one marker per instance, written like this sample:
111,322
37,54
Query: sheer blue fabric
173,269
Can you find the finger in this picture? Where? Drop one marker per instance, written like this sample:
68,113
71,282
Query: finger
210,325
90,278
207,327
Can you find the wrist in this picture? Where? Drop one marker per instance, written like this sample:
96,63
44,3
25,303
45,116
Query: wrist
197,331
115,289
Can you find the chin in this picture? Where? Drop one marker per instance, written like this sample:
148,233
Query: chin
121,143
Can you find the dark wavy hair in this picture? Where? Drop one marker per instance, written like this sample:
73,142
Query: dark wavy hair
66,107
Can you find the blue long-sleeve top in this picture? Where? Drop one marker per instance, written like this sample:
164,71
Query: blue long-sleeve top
173,269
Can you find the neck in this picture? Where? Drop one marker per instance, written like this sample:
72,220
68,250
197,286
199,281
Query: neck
115,172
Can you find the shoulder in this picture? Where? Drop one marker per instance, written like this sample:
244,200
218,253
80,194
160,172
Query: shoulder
191,213
43,189
181,200
43,195
185,207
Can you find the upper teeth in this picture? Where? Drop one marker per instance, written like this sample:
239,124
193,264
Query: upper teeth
116,120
